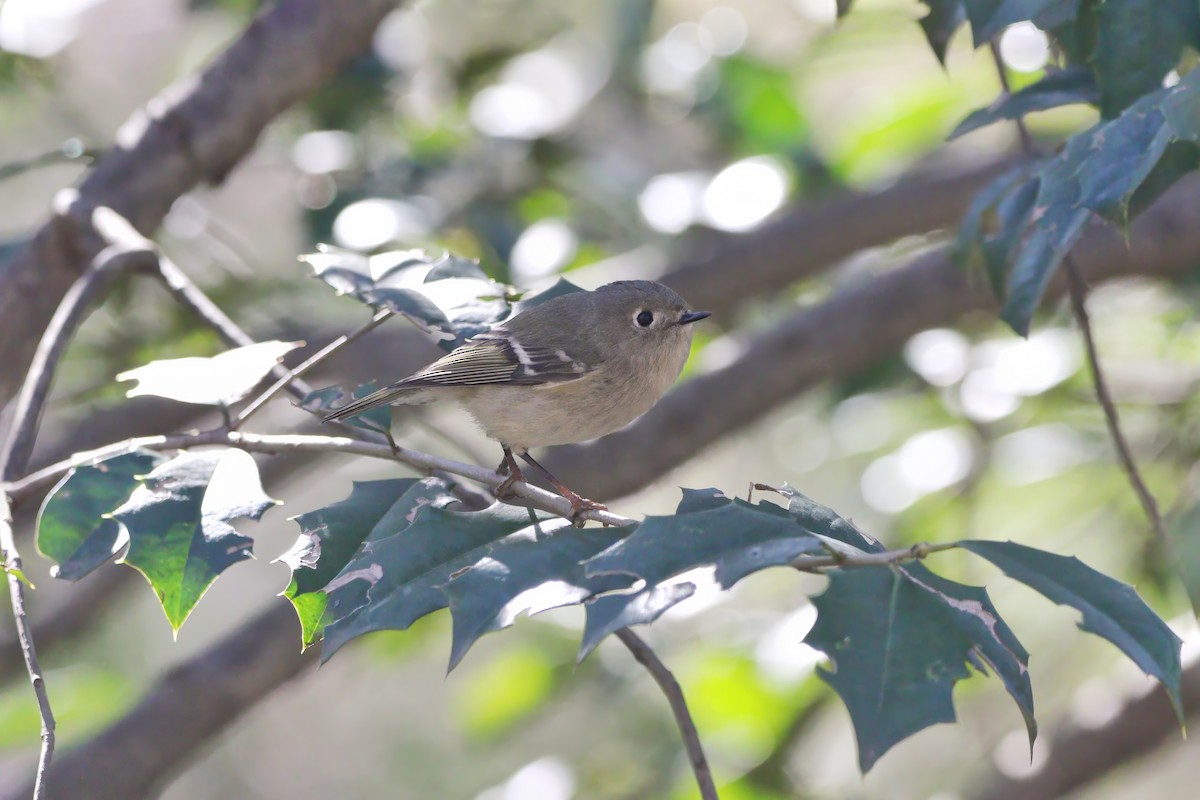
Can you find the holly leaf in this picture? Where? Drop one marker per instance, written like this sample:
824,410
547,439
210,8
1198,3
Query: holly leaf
945,17
1110,609
220,380
527,573
448,298
1065,87
322,401
393,581
330,536
1099,172
896,654
178,520
989,18
1137,44
75,528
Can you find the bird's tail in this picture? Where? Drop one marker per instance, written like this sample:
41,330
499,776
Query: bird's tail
384,396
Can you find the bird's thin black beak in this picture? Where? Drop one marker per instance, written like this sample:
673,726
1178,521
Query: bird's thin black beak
694,316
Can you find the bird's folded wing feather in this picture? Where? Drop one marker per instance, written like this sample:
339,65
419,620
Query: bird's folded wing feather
499,357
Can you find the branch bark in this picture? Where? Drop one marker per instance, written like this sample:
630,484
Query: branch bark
191,134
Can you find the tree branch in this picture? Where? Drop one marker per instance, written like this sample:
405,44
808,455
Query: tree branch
683,718
193,133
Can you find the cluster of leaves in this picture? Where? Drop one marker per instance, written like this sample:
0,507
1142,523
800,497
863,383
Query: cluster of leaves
898,635
1115,55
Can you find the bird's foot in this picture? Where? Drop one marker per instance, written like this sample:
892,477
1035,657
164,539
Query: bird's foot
580,505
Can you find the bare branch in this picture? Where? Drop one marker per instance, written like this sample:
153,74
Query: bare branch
193,133
683,718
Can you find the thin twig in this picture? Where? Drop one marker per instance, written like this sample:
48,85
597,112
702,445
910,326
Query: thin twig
1077,290
313,360
16,591
683,718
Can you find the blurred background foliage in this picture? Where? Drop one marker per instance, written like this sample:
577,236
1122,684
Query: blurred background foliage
608,139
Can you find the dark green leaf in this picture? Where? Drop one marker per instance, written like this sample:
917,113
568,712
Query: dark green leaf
843,7
323,401
395,580
449,298
527,574
1110,608
561,286
989,18
1185,552
221,380
609,613
1066,87
971,245
945,17
74,529
824,522
180,536
1098,172
1137,43
330,536
896,653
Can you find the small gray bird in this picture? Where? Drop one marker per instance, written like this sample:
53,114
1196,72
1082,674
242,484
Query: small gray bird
573,368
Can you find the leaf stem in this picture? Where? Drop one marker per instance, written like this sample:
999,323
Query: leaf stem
646,656
1077,290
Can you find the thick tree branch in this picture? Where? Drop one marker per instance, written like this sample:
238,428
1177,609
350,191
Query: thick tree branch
193,133
854,329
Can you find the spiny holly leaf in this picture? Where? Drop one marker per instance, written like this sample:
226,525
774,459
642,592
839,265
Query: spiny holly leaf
971,243
992,639
945,17
1098,172
733,537
825,523
989,18
220,380
180,536
449,298
1185,551
330,536
74,528
1110,609
1137,43
527,574
560,287
896,652
1063,88
323,401
393,581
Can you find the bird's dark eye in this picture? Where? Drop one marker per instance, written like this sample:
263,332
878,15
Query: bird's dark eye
644,319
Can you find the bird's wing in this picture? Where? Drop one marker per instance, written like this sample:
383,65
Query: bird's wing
499,357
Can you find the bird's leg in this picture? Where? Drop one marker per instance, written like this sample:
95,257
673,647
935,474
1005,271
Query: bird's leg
509,465
578,504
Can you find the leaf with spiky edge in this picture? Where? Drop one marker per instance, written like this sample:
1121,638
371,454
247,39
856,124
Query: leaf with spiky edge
222,379
322,401
180,536
945,17
989,18
609,613
330,536
393,581
1110,609
74,527
527,575
1069,86
1137,43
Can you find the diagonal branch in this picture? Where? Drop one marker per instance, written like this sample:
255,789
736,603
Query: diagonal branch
683,718
193,133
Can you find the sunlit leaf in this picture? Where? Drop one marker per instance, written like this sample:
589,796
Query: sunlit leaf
1110,609
220,380
180,536
74,528
1065,87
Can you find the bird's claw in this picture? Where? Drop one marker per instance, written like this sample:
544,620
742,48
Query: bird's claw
580,505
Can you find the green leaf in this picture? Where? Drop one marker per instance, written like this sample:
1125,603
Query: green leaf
448,298
1137,43
180,536
1065,87
220,380
896,654
843,7
971,244
323,401
1098,172
16,573
945,17
330,536
74,528
1110,609
989,18
395,580
733,537
1185,552
825,523
527,575
560,287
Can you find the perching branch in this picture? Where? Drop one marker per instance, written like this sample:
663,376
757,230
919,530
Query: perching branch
683,718
1077,290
